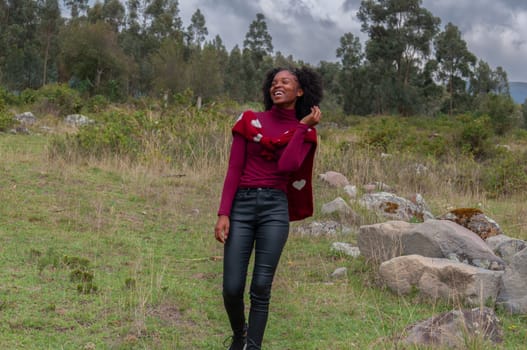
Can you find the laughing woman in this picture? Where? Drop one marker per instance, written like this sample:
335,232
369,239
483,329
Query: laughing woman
268,184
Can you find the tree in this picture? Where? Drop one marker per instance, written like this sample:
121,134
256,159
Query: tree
163,19
351,56
197,30
258,40
76,7
400,34
22,60
455,63
50,22
91,54
171,73
206,72
234,75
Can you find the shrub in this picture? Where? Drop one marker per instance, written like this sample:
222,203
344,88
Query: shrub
501,111
97,104
54,98
474,135
6,121
117,132
505,174
384,135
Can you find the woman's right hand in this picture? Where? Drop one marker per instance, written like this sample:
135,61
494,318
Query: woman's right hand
221,230
312,118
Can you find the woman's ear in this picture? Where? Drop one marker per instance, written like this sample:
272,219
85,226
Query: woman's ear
299,92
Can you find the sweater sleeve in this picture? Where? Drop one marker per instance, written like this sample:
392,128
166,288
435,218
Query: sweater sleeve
234,173
296,150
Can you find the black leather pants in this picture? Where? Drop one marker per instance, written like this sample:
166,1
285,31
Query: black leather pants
259,219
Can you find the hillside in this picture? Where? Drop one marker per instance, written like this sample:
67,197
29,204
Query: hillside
107,243
518,91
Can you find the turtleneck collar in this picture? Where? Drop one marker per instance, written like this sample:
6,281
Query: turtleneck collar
284,114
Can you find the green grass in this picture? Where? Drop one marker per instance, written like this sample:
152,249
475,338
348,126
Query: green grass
146,238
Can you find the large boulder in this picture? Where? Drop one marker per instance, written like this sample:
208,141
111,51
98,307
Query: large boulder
432,238
441,279
451,329
394,207
513,292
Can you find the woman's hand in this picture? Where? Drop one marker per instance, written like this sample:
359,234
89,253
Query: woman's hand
312,118
221,230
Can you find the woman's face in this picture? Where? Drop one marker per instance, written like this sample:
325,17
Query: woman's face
285,89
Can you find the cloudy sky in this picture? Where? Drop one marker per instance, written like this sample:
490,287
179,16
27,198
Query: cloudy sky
310,30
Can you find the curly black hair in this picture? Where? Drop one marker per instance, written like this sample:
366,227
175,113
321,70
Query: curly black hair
310,82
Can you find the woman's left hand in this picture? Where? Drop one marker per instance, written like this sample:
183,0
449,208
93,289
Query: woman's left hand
312,118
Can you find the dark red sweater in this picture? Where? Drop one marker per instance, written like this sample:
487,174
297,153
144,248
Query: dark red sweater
249,169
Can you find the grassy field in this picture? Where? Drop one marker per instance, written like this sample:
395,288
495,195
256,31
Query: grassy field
103,254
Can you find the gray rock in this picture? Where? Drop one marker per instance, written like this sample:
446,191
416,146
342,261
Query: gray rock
441,279
432,238
451,329
316,228
474,220
338,205
334,179
345,248
506,250
394,207
26,118
494,241
340,272
513,292
351,190
77,120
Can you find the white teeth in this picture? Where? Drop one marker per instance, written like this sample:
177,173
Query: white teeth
278,93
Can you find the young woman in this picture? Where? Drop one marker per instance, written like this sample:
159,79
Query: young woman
268,184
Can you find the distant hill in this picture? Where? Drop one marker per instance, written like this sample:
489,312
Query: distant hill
518,91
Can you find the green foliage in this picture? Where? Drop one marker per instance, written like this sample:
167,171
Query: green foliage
117,132
96,104
382,136
54,98
505,174
6,119
501,110
474,135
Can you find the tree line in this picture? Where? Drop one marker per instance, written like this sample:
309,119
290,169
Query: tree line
119,49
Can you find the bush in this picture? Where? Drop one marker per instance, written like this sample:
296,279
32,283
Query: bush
474,136
501,111
384,135
116,133
505,174
6,121
96,104
54,98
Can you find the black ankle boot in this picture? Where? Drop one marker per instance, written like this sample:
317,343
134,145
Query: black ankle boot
239,341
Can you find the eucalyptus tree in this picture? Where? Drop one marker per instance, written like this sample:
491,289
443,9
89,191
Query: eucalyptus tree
455,66
77,7
21,57
257,48
351,58
197,30
48,29
234,75
258,40
163,20
400,34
